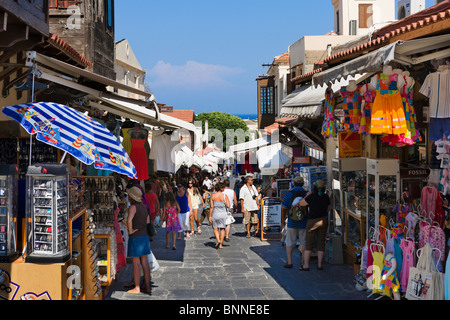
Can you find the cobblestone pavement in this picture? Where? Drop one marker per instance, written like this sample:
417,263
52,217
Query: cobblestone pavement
245,269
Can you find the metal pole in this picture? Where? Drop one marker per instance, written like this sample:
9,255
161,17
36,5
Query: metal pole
32,100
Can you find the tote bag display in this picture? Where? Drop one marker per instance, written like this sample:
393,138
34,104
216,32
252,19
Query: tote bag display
425,281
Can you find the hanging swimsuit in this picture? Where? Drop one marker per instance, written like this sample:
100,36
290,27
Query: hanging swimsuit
329,129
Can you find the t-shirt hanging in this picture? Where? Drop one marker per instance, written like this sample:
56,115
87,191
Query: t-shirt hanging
437,88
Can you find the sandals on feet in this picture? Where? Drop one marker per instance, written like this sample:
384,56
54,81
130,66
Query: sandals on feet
303,269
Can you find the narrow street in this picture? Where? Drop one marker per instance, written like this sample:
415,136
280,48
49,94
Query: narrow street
245,269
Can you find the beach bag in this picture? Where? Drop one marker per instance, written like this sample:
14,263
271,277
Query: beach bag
425,282
298,212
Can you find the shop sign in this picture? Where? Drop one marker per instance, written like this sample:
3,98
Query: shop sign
299,162
350,144
410,173
271,219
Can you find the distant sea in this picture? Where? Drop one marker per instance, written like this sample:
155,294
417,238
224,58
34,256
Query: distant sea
247,116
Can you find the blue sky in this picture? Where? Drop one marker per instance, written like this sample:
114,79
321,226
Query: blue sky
206,54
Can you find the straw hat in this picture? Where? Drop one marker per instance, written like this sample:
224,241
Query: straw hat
135,193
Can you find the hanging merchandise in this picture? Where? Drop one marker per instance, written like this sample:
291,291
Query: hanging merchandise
412,134
163,142
437,88
138,154
329,129
388,116
369,93
352,107
425,281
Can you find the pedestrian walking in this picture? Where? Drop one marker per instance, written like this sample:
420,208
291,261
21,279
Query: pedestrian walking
219,205
233,204
196,202
171,211
184,202
138,243
317,225
295,230
207,182
152,200
206,196
249,205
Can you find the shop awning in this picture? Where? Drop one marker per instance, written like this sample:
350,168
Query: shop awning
312,149
399,51
306,101
142,111
141,114
250,145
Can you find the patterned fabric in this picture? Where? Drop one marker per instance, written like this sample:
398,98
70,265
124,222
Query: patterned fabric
369,98
392,281
329,129
352,109
172,220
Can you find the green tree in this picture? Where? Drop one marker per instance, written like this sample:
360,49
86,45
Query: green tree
224,123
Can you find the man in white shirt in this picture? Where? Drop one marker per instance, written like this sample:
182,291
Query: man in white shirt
248,197
207,183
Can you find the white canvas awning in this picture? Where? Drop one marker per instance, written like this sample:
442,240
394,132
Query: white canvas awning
274,157
250,145
399,51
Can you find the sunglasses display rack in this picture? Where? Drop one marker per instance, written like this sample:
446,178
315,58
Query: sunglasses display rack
92,284
8,213
47,214
98,197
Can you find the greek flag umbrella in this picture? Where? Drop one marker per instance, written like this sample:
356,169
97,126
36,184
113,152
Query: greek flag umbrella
74,132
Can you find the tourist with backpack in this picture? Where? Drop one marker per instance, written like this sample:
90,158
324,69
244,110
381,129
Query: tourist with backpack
296,219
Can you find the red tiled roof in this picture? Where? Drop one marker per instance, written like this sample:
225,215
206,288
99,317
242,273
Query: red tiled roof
66,48
185,115
421,19
271,128
306,75
283,57
286,120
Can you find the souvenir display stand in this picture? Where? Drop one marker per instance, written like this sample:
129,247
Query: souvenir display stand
349,201
8,213
312,174
383,192
47,213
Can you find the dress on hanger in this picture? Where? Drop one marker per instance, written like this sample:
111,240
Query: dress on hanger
352,109
138,156
126,143
388,116
369,98
392,282
329,129
408,262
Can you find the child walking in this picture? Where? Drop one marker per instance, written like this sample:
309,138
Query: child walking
171,211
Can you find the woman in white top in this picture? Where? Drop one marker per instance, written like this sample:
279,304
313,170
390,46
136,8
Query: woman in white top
232,198
196,201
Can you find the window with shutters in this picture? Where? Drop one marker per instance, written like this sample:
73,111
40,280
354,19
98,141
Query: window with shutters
365,15
62,4
267,103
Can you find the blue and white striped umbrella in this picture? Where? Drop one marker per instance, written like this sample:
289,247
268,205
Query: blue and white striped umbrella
74,132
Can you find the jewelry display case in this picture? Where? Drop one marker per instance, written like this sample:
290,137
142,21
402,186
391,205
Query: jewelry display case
349,198
47,213
383,190
8,213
